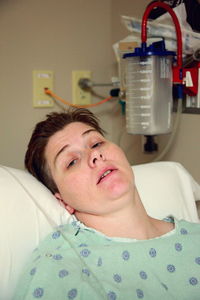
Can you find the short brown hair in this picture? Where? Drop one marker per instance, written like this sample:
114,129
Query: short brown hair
35,161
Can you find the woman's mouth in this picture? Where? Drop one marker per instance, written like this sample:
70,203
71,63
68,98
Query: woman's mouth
104,174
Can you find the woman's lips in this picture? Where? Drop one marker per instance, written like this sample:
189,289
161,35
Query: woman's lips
105,173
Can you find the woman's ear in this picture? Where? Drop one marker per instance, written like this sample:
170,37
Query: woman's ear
70,209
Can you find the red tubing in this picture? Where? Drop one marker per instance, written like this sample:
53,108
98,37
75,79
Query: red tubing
176,23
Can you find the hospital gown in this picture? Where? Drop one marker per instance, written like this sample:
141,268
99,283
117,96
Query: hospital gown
77,262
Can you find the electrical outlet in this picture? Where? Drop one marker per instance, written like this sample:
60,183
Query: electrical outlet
80,96
41,80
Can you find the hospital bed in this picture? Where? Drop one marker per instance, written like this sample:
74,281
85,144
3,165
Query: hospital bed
28,211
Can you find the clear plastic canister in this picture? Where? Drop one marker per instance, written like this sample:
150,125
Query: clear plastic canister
148,94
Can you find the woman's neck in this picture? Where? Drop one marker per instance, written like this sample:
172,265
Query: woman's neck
131,221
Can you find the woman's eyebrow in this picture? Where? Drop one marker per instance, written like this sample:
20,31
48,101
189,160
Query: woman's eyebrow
88,131
67,145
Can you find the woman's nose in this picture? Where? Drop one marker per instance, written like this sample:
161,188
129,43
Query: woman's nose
95,157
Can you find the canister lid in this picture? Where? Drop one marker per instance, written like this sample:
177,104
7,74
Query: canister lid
156,48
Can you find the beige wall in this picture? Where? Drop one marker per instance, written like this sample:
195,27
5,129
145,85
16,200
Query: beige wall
62,36
186,146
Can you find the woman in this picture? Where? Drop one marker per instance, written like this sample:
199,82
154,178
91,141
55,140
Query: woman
111,249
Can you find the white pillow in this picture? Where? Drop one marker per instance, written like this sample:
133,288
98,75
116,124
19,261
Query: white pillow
166,188
28,210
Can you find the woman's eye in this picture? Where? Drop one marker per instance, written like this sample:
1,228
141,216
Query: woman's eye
97,144
73,162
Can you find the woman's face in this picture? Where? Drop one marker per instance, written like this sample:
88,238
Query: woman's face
92,174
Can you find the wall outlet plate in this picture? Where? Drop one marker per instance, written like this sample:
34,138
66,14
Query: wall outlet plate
79,96
42,79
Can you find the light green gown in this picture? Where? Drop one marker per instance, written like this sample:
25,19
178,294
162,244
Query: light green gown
77,262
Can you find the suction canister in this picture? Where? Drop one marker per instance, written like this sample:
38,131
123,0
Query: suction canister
148,81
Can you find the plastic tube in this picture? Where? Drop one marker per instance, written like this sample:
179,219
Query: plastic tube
58,98
176,23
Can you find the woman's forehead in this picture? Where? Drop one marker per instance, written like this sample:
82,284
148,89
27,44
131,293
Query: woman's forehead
72,129
70,134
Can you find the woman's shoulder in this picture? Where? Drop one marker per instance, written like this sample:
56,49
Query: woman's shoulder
182,226
186,227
